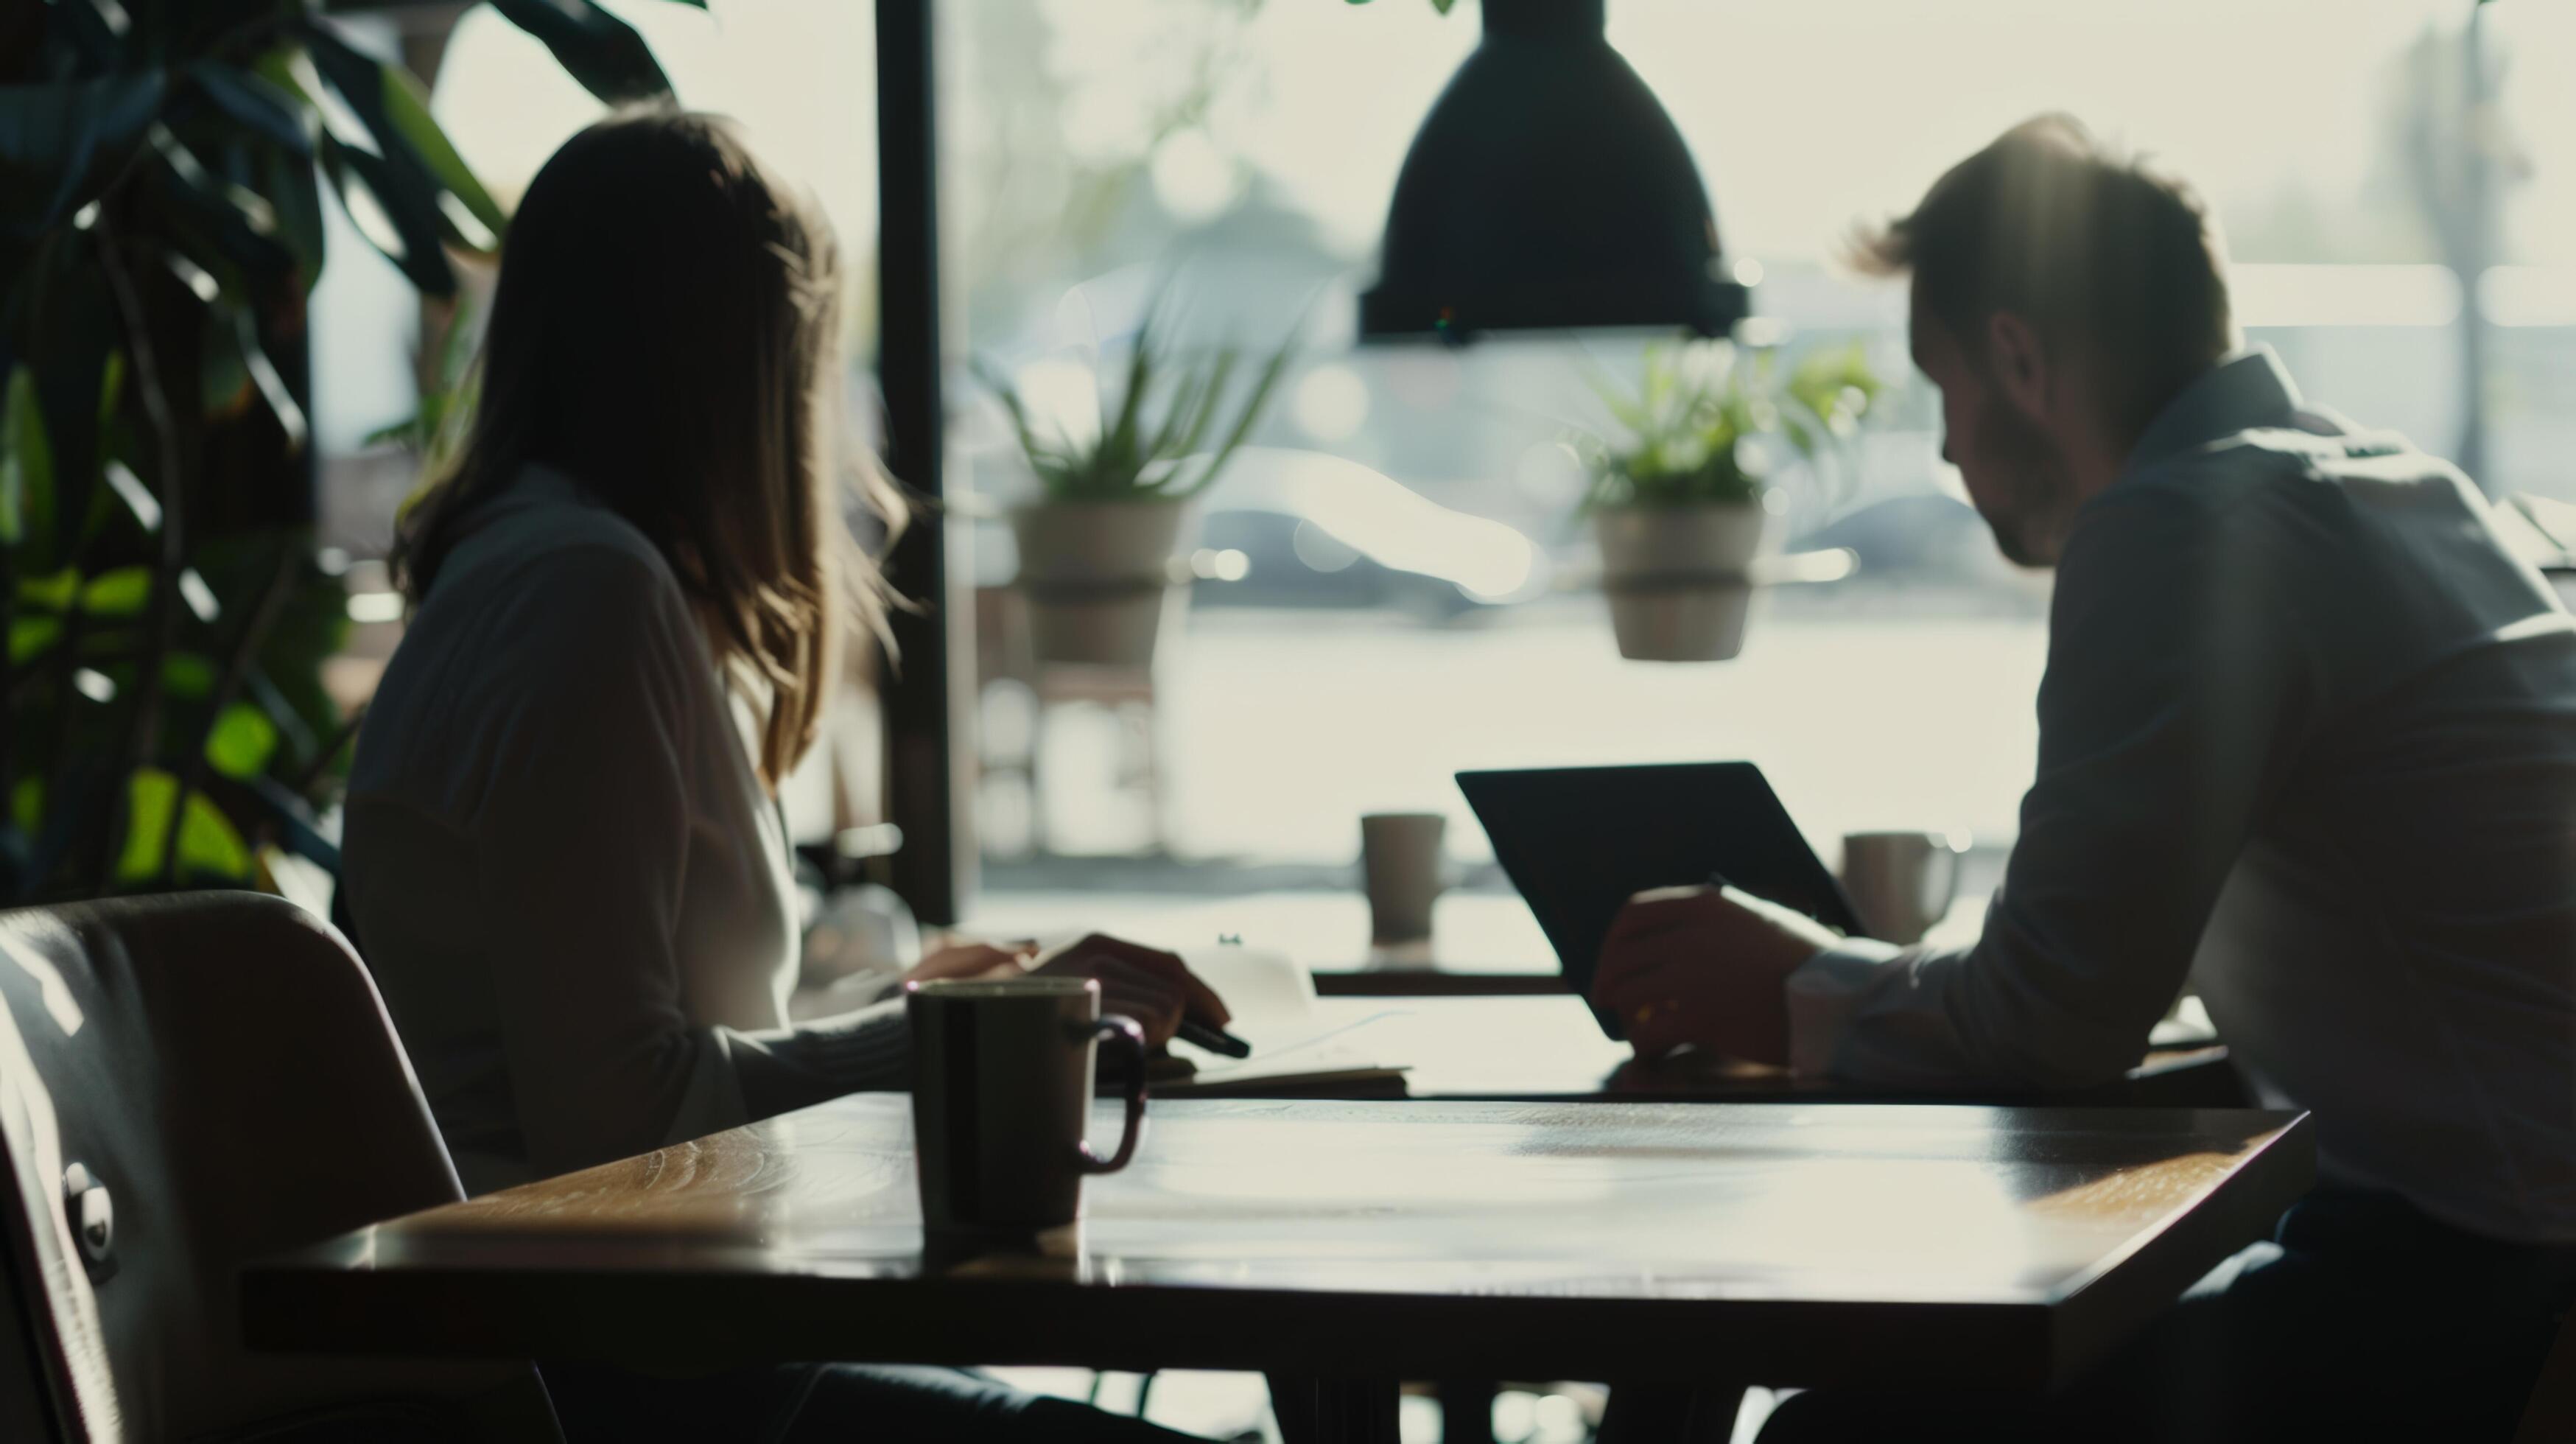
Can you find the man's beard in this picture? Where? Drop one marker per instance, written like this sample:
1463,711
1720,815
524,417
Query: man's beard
2031,484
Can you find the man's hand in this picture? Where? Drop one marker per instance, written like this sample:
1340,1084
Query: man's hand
1705,966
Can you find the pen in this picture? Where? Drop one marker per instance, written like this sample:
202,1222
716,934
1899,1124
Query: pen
1215,1040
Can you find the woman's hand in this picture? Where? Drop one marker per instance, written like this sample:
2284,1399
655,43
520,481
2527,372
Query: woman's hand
1151,986
972,960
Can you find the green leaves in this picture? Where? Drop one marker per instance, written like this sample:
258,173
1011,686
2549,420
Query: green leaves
118,592
242,334
52,592
166,181
406,109
295,194
601,51
32,637
1134,459
418,157
60,143
222,228
209,844
257,102
26,462
241,741
1837,387
1694,421
396,219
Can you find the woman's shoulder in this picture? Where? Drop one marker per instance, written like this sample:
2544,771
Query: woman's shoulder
553,613
546,523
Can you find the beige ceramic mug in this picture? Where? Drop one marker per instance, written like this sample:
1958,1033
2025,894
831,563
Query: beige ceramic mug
1901,883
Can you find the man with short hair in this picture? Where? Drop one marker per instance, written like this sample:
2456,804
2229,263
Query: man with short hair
2308,741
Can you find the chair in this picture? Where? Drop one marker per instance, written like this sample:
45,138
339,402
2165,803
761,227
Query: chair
188,1083
2549,1416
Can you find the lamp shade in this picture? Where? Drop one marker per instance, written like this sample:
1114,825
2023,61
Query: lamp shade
1547,190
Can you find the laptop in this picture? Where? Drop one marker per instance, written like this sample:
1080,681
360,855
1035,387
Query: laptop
1578,842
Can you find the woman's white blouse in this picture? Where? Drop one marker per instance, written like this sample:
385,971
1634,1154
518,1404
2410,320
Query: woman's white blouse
564,871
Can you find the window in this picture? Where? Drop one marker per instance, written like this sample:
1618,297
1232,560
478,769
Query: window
1243,154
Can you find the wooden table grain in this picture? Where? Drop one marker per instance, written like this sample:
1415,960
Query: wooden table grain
1778,1243
1547,1048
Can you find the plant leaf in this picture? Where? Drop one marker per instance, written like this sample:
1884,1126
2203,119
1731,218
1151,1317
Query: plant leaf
1186,411
407,106
226,230
1249,417
188,675
389,101
209,844
1119,454
295,193
32,637
263,377
241,742
53,591
1218,377
138,498
223,382
117,592
397,219
1009,395
257,102
78,132
601,51
26,463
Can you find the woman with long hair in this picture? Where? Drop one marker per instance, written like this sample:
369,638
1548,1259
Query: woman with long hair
565,862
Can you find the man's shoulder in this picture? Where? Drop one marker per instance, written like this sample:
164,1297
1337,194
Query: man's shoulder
2270,463
2289,486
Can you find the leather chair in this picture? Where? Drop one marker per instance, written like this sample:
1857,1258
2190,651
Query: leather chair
2549,1416
188,1083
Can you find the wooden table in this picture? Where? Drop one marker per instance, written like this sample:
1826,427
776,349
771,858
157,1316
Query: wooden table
1778,1243
1548,1048
1484,943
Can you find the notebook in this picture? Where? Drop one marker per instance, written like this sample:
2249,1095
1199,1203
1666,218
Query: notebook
1294,1052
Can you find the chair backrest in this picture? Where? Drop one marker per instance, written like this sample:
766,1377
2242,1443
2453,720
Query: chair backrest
2549,1416
188,1083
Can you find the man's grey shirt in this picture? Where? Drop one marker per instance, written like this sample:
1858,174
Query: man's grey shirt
2308,738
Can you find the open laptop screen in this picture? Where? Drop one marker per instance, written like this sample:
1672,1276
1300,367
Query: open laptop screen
1580,841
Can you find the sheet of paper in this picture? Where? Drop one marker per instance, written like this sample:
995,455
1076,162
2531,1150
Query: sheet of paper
1263,989
1293,1049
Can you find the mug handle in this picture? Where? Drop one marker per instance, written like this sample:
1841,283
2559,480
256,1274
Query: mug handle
1132,1040
1956,857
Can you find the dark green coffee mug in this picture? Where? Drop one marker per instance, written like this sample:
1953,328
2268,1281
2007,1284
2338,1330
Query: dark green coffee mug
1001,1094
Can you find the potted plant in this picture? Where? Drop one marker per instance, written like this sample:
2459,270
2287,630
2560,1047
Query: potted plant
166,607
1680,503
1099,547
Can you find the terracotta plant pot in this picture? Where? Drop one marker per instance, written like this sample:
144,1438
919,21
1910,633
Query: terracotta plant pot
1098,576
1676,578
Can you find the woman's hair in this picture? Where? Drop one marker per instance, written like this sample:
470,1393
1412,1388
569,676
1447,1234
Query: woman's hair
665,331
